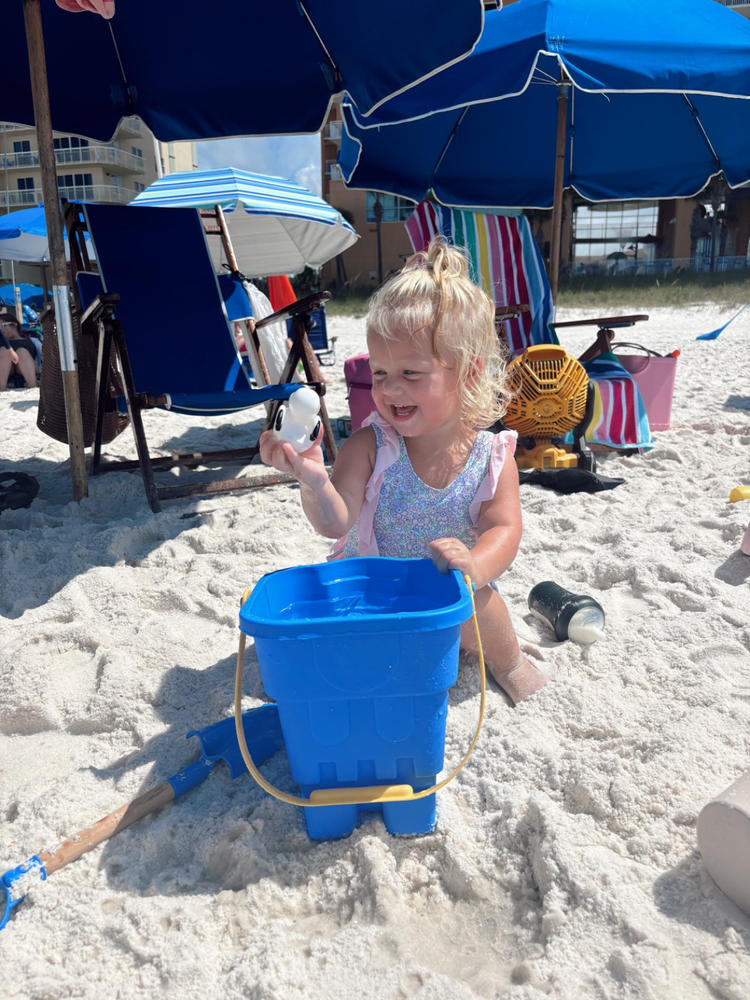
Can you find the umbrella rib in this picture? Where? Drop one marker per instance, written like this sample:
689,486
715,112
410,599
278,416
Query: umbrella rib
448,141
699,123
337,74
126,85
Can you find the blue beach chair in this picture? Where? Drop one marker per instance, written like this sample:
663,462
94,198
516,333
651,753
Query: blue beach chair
317,333
158,306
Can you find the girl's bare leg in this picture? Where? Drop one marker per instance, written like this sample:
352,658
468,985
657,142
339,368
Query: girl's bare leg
513,671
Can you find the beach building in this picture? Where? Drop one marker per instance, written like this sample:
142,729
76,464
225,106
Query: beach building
705,233
87,170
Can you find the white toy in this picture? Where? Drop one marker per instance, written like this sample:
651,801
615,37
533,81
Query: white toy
297,420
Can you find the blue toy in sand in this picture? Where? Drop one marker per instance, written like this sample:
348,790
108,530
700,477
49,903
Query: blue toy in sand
359,655
218,742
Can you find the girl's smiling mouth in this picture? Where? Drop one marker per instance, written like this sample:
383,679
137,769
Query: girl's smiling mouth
403,412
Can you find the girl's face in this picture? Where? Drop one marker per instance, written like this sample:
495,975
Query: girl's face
411,388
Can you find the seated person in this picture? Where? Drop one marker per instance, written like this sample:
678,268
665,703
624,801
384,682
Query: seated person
17,353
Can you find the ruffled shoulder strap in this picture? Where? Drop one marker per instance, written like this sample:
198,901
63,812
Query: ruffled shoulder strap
503,444
388,450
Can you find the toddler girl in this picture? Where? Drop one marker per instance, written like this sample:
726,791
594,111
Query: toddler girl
421,478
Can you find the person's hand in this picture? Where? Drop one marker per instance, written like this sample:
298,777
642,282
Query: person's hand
13,356
307,467
450,553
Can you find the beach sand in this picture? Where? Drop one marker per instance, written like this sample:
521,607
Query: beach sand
564,862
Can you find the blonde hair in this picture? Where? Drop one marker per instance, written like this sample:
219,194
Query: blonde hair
433,296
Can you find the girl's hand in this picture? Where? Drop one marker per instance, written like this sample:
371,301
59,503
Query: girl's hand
307,467
13,357
450,553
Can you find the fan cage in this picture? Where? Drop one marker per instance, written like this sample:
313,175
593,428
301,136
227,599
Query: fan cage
551,389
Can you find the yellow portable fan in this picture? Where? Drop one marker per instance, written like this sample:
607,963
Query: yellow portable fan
552,397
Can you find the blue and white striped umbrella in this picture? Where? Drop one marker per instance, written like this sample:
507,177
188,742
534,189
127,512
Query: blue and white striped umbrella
276,226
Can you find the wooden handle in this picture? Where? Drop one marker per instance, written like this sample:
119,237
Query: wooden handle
72,848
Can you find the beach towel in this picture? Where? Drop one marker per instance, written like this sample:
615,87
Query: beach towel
619,414
506,262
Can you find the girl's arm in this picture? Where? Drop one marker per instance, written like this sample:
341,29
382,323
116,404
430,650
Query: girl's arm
498,534
331,505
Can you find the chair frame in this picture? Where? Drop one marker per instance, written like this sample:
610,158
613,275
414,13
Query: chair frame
100,320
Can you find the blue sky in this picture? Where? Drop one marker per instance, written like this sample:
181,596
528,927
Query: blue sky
294,157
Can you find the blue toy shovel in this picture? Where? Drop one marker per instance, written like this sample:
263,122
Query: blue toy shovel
218,742
715,333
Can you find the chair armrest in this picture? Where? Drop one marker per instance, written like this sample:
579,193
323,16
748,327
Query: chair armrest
604,335
510,311
102,302
302,306
604,323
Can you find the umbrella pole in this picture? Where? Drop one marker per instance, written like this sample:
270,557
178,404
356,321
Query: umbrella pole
16,293
60,293
563,90
257,361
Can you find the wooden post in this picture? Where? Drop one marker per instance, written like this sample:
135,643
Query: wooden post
563,90
60,292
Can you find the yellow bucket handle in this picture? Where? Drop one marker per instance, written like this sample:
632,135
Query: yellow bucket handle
357,795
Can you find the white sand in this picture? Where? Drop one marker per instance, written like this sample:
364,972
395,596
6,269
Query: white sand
564,862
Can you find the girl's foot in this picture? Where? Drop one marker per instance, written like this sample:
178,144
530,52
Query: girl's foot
521,681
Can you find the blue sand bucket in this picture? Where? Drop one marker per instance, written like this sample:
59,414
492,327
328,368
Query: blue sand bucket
359,655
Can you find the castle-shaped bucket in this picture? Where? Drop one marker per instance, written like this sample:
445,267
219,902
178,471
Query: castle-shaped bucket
359,655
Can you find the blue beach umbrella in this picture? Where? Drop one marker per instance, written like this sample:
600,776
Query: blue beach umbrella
197,70
276,226
614,100
31,295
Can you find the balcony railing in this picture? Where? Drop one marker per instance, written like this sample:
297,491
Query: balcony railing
658,266
333,171
109,155
80,192
132,125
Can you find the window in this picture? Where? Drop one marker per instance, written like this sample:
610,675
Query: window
24,157
619,227
70,142
76,185
395,209
26,192
70,180
136,151
70,149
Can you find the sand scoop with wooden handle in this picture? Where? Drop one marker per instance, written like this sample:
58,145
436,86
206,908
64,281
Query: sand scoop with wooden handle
218,742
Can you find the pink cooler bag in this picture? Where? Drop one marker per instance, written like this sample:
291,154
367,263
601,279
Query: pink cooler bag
654,375
359,383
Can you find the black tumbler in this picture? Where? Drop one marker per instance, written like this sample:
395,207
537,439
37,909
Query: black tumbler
570,616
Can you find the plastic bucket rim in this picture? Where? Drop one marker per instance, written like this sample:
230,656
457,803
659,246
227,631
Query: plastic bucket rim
445,616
